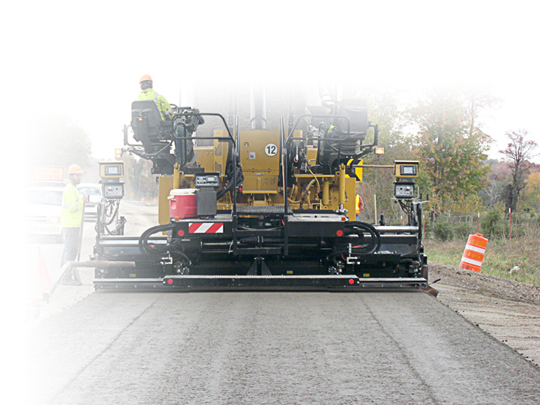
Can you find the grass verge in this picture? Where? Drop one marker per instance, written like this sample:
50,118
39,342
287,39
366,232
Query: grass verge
516,259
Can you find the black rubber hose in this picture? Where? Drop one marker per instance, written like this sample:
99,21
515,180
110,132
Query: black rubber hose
359,228
145,247
110,207
183,255
230,185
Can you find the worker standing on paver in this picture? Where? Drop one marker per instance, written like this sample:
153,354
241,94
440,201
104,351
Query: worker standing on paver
72,217
148,93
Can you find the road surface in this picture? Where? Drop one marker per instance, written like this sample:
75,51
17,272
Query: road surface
270,348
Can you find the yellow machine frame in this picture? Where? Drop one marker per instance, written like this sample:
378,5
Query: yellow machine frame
261,174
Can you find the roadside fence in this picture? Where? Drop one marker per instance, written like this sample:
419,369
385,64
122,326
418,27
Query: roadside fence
491,223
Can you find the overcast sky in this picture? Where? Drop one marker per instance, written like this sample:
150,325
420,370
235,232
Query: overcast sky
84,59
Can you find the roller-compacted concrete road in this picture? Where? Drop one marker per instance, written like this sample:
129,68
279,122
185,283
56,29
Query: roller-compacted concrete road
271,348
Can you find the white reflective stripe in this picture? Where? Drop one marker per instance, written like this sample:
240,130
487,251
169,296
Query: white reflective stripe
204,227
219,229
74,202
71,204
471,261
475,249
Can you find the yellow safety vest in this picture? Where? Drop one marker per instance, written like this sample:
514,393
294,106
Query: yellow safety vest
162,104
72,207
359,204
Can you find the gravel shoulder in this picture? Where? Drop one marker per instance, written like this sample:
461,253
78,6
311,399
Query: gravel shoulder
507,310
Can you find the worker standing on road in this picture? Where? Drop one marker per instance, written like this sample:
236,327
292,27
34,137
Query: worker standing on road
72,217
148,93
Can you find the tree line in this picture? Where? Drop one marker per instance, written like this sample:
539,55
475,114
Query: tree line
443,130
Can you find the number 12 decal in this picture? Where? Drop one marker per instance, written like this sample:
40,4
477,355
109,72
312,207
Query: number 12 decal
271,149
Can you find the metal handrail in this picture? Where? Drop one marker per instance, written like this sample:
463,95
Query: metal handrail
284,162
319,116
206,114
235,151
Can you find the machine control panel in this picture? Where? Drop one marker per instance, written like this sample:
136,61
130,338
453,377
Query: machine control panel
111,182
406,168
113,191
207,180
404,190
108,170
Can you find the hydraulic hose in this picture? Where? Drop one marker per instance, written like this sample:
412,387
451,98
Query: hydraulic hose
107,212
359,228
145,247
182,256
230,184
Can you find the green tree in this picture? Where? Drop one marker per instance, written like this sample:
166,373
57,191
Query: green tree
384,110
531,192
452,146
59,141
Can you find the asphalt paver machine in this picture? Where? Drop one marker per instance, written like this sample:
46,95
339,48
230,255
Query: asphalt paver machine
264,209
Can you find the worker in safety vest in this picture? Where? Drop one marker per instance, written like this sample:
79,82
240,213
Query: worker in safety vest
359,206
72,217
148,93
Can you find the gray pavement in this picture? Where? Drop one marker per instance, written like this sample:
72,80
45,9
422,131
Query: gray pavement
272,348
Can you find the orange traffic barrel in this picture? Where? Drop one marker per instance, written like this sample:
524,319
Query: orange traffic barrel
474,253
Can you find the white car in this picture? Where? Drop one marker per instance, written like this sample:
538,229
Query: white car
44,210
93,191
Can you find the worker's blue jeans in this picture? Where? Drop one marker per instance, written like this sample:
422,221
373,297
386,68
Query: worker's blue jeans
71,244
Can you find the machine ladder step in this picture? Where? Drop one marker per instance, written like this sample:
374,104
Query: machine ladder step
262,210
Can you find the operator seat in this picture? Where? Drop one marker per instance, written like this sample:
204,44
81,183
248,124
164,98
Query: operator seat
147,125
355,110
154,134
350,127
